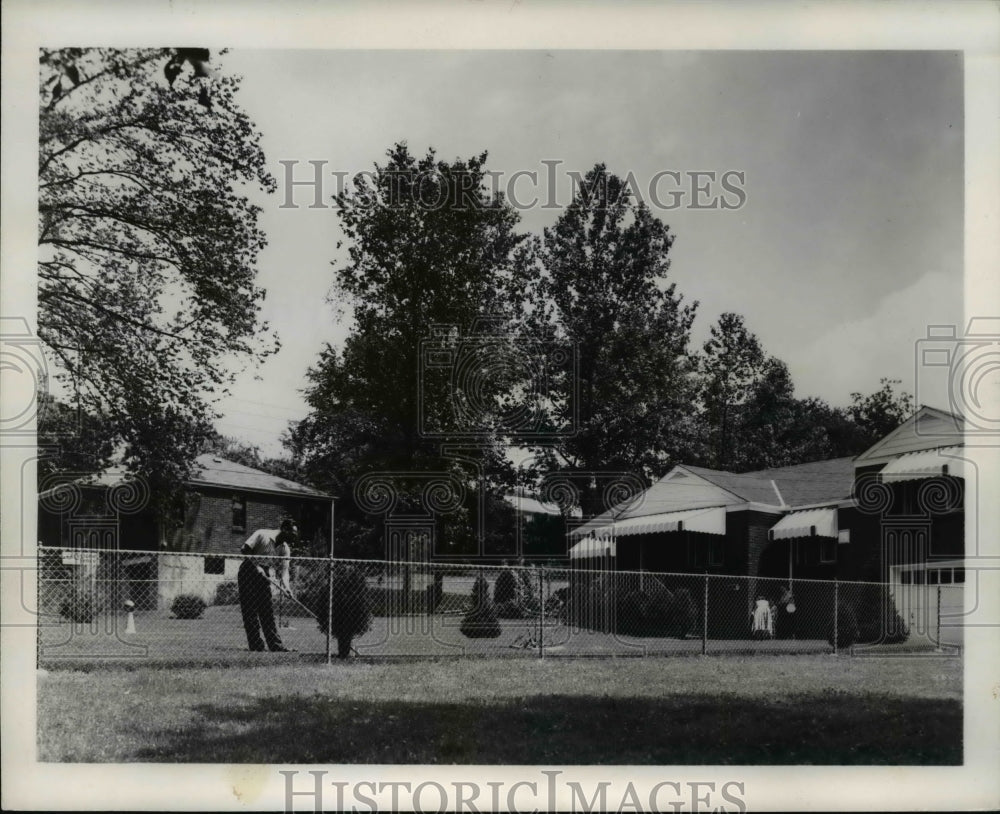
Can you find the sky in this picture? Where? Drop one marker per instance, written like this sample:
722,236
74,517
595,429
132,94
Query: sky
847,247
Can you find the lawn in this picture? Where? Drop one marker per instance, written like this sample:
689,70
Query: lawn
696,710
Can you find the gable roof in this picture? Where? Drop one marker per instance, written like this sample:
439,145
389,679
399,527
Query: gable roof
928,428
218,472
695,487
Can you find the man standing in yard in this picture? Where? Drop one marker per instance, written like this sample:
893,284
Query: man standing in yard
254,581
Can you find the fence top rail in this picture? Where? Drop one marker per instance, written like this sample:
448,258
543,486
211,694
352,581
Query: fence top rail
465,568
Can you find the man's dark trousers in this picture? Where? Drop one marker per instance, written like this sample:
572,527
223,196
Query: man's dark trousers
255,604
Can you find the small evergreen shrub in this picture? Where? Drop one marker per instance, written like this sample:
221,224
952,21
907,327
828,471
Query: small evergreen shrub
481,621
683,614
188,606
352,603
505,587
847,627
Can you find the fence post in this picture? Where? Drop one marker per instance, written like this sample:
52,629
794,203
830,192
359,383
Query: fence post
541,616
704,620
836,615
938,618
329,608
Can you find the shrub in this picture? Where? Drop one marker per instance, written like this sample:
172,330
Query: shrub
878,620
683,613
511,609
188,606
80,606
505,588
352,603
481,621
227,593
847,627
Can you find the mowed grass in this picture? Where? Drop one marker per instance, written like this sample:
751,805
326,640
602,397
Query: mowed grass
660,711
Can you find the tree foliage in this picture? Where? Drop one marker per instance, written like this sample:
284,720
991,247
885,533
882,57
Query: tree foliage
148,242
428,245
603,298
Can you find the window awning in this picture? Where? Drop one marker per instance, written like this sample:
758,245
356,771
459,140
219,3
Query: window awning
929,463
593,547
812,522
710,520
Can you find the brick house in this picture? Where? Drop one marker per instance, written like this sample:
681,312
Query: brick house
224,503
898,504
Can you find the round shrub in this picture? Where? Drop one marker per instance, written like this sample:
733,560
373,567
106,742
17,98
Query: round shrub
80,606
227,593
188,606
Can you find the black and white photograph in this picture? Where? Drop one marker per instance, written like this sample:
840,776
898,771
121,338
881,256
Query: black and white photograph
500,407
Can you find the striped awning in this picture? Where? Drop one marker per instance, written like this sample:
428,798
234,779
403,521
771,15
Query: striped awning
593,547
929,463
808,523
710,520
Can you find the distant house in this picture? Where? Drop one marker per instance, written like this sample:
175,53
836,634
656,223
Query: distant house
224,503
541,526
894,509
696,520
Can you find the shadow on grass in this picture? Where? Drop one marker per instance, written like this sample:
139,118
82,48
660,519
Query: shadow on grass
823,729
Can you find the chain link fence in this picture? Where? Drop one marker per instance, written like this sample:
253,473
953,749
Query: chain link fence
207,608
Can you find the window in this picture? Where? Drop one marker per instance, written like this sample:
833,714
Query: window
215,565
945,576
906,577
959,576
932,576
716,553
918,577
828,550
239,513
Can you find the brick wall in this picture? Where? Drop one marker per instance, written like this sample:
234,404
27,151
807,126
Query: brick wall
210,518
758,524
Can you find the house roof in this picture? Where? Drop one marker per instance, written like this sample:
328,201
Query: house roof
928,428
219,472
531,505
696,487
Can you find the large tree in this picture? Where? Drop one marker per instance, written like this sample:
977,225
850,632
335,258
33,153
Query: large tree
621,402
148,242
434,273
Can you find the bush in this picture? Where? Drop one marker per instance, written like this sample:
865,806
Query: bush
227,593
80,606
847,627
683,614
505,588
878,620
188,606
656,611
481,621
352,604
